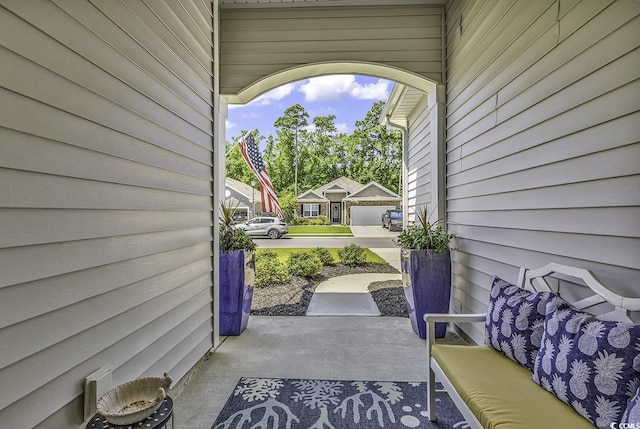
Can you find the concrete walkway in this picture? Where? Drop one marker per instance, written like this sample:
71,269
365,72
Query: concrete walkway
349,295
334,348
389,254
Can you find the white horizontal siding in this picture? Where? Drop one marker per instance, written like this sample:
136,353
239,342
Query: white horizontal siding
419,163
105,210
24,227
27,153
542,141
261,42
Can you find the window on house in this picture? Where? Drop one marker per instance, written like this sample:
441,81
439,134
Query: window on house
310,210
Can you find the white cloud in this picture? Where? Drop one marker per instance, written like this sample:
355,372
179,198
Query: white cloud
342,127
228,125
275,94
372,91
337,86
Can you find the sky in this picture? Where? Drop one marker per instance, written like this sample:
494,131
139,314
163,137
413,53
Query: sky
348,97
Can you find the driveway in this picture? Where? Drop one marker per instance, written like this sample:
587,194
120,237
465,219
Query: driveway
373,232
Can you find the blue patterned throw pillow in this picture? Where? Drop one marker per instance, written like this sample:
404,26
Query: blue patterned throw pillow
515,321
632,415
592,365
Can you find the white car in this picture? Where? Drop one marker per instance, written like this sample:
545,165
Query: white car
271,227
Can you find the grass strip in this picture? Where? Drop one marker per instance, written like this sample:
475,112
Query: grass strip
322,230
319,234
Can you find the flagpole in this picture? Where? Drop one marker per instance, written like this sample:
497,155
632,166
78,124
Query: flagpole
236,143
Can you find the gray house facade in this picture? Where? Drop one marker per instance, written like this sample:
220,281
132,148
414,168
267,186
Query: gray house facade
347,202
521,129
521,151
246,199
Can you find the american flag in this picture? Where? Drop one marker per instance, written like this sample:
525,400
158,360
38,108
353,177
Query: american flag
251,154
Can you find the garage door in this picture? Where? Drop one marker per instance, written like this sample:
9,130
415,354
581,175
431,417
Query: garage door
364,216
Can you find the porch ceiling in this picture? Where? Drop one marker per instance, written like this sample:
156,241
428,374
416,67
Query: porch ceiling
253,4
401,104
266,44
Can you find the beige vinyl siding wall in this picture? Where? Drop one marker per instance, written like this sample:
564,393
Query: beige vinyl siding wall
105,203
418,162
258,43
542,141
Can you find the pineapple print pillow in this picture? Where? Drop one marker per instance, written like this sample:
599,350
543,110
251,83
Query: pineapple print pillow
632,415
515,320
590,364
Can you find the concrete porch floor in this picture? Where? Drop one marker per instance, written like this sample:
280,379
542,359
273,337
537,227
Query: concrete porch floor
339,348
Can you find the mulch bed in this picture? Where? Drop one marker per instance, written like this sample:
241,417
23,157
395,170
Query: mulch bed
292,299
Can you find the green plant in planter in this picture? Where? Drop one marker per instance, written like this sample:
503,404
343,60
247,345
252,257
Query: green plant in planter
232,238
236,274
426,271
425,235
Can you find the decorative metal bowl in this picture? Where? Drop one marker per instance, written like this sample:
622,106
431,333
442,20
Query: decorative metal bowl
134,401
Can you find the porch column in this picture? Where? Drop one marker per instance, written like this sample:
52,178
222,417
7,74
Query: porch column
219,171
436,109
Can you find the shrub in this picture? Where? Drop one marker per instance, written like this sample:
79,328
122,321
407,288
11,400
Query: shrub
322,220
304,264
295,220
269,269
352,255
324,255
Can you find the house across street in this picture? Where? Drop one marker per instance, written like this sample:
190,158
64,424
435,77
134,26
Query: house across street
348,202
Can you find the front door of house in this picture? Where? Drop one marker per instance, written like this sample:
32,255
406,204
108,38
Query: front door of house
335,212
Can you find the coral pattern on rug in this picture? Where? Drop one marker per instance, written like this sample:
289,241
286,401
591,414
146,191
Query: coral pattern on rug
332,404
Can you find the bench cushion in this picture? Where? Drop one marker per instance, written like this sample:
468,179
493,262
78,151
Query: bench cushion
500,392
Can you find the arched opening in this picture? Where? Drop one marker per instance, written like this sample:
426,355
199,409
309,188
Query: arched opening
270,82
404,79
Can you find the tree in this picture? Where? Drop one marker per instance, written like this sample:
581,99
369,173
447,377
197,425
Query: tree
376,151
278,162
290,128
321,147
287,204
372,152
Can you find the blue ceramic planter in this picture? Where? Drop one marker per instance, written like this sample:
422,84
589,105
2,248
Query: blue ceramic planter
237,274
426,277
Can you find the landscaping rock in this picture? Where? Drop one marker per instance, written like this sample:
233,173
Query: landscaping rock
292,299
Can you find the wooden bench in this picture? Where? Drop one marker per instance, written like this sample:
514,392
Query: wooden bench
492,390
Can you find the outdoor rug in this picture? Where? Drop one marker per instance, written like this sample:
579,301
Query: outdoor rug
325,404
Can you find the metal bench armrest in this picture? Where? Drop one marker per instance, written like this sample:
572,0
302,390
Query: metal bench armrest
446,317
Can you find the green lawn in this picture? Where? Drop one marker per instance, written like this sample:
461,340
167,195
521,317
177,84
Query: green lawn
283,254
319,230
